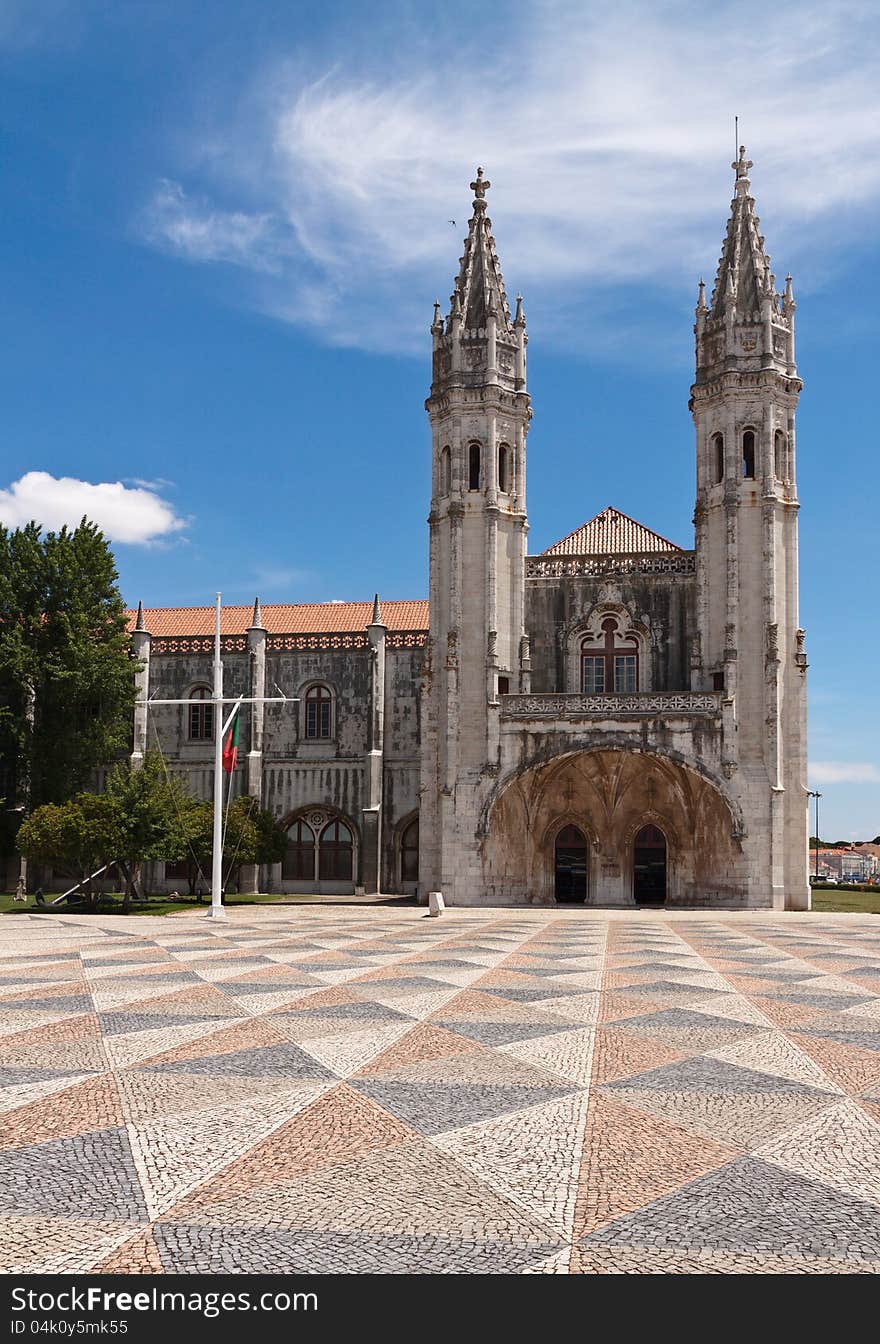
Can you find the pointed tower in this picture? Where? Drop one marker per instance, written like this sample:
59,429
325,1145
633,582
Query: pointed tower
479,412
749,643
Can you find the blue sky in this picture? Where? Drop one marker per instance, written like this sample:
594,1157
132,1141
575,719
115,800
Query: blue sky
223,228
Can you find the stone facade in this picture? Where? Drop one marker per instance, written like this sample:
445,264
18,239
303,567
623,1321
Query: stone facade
616,720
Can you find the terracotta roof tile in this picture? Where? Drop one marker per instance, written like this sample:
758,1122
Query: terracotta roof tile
611,533
303,618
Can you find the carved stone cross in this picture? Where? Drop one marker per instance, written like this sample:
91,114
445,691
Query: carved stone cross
480,186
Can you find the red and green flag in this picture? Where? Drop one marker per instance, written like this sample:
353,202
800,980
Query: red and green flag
230,746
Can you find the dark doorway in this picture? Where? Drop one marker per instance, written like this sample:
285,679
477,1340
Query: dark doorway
649,866
571,866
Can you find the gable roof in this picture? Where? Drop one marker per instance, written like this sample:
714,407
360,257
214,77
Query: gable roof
283,618
611,533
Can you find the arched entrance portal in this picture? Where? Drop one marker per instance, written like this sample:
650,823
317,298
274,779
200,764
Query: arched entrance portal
649,866
571,866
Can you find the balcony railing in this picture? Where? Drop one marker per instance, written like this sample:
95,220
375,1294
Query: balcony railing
616,706
598,566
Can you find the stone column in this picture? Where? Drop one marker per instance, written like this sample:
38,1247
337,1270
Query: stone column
256,637
140,647
371,849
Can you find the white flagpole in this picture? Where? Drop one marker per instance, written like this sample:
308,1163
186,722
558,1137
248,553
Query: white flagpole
217,911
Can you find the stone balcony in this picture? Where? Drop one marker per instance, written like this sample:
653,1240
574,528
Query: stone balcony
642,704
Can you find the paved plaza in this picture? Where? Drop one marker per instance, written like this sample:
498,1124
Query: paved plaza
505,1091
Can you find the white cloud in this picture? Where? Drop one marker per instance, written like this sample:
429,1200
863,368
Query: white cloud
844,772
197,231
127,515
607,133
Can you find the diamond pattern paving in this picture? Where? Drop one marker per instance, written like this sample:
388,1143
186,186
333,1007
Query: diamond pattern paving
364,1090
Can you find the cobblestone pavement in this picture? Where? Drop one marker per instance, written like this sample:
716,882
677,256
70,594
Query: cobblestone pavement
495,1091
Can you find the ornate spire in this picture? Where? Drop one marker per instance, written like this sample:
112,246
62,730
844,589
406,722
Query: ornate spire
480,284
377,612
743,276
257,617
139,623
701,299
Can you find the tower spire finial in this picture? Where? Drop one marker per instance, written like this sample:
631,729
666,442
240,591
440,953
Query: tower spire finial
376,618
741,166
139,623
479,187
257,617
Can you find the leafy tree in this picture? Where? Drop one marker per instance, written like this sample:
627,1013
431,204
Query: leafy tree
149,808
66,684
251,835
77,836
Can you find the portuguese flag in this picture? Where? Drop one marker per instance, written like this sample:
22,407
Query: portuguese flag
230,747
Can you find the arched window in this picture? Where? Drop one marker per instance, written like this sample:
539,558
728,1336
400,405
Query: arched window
610,661
779,455
445,471
503,467
319,713
409,852
335,853
298,864
474,467
748,459
718,454
201,715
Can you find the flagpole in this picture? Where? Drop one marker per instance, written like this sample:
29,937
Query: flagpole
217,911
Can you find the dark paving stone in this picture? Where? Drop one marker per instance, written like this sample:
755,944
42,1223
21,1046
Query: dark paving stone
218,1250
434,1108
63,1003
364,1011
531,993
242,988
501,1033
702,1074
861,1035
120,1024
275,1061
408,983
830,1002
90,1176
750,1205
14,1075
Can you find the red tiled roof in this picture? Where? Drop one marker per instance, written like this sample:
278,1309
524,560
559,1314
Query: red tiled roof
611,533
303,618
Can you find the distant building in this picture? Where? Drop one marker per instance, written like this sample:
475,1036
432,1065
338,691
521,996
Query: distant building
847,865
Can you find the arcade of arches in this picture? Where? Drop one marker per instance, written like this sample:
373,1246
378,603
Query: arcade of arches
613,828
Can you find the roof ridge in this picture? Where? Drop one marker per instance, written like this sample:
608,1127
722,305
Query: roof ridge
559,546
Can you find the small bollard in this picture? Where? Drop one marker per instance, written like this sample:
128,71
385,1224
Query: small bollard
435,904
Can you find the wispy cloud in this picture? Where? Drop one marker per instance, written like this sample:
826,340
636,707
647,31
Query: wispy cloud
271,579
844,772
607,133
197,231
135,516
157,484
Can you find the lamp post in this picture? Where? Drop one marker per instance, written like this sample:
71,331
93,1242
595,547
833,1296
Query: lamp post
814,793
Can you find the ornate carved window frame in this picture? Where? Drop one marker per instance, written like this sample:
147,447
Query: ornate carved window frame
628,629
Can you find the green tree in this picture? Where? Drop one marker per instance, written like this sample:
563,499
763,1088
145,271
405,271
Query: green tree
66,684
77,837
149,808
251,835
